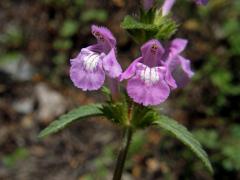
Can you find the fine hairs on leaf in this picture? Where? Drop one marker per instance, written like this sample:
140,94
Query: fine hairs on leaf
161,28
182,134
75,114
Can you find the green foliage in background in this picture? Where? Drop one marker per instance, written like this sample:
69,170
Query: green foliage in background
105,159
12,36
11,159
69,28
225,147
99,15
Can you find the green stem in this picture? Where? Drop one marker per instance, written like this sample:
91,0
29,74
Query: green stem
123,154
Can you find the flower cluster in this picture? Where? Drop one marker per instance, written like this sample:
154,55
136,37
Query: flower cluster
150,77
157,71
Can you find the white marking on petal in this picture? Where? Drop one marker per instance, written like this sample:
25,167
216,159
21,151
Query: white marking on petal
150,75
91,61
154,75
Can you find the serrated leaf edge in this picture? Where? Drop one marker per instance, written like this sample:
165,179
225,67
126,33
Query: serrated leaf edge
202,156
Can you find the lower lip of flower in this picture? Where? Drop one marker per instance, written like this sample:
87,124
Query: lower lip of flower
91,60
149,75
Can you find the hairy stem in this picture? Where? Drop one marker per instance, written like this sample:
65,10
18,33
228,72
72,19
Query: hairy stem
123,154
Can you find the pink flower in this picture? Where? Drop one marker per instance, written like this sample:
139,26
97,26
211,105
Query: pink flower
168,4
178,68
146,84
88,69
156,71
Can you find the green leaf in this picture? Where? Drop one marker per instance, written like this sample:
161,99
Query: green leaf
66,119
182,134
161,28
130,23
106,91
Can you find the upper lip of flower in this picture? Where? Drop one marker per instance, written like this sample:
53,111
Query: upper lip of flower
104,37
152,51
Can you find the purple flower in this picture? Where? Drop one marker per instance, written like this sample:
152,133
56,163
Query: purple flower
178,68
88,69
168,4
158,70
146,84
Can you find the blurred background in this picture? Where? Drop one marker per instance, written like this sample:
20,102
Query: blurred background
37,39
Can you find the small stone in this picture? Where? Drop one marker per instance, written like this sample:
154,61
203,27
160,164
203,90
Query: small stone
24,106
51,103
19,69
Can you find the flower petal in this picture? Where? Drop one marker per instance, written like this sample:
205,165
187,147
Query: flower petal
182,73
86,71
96,48
152,52
130,71
170,80
111,66
167,6
104,37
84,52
177,46
148,87
142,93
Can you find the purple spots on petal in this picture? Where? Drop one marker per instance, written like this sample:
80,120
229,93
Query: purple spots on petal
104,37
152,52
